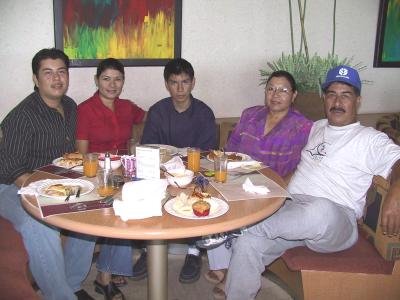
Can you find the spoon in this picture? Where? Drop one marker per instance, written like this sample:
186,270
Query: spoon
162,168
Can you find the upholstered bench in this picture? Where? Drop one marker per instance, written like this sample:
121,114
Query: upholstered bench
14,279
368,270
390,124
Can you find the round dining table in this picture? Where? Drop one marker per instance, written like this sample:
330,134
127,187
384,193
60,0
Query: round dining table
156,231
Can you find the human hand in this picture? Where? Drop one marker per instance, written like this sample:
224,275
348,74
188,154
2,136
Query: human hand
390,216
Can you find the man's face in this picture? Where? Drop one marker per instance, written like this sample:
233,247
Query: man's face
52,79
180,86
341,104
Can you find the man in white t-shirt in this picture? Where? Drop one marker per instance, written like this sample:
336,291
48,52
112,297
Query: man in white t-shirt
328,189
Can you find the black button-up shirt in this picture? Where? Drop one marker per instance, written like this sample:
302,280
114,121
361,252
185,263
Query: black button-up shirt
34,135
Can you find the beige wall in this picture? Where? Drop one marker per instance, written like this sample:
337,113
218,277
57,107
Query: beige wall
227,42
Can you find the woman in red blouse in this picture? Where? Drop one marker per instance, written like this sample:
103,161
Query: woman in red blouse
105,124
104,120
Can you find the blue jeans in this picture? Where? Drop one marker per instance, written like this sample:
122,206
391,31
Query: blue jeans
115,257
58,273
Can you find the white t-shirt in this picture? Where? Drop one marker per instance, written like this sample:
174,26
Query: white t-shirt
338,163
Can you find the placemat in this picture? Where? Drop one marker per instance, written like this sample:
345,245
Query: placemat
232,190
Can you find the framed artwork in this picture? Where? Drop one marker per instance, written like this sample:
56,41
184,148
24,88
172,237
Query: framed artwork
137,32
387,43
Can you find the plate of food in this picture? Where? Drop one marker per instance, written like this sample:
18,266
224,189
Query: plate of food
232,156
70,161
196,207
60,188
171,150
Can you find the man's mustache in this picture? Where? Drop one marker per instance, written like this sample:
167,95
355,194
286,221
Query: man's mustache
337,109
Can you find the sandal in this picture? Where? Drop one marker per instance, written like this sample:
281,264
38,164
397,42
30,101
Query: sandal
109,291
119,280
219,291
214,276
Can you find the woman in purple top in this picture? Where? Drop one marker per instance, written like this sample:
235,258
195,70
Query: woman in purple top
274,134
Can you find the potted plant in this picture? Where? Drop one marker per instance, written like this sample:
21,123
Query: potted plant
308,71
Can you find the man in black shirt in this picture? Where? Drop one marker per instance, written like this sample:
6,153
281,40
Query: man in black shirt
38,130
181,121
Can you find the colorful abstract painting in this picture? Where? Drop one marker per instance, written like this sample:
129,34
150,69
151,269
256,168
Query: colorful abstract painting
387,48
138,32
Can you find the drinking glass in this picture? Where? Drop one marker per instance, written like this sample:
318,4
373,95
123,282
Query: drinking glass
220,168
193,159
104,183
90,164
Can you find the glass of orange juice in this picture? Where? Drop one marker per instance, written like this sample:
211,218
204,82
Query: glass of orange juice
104,181
90,164
193,159
220,168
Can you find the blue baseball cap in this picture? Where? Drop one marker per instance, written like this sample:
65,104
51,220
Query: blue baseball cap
344,74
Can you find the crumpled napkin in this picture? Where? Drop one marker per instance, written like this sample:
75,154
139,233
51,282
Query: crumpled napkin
174,163
141,199
31,189
248,186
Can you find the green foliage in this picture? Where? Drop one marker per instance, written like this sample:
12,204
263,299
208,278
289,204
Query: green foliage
308,73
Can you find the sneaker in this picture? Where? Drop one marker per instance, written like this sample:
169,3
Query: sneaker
215,240
139,270
212,241
191,269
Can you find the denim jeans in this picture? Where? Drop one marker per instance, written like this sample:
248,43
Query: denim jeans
58,273
115,257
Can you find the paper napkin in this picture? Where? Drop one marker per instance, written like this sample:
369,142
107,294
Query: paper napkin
175,163
31,189
248,186
141,199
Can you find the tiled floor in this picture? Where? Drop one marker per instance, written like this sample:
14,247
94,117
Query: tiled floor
200,290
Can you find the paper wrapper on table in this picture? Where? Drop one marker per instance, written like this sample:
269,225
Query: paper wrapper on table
141,199
175,163
129,164
31,189
249,187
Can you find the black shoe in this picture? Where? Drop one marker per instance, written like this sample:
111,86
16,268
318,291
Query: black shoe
83,295
109,291
139,270
191,269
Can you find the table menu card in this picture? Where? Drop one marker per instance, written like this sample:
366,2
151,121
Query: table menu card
147,162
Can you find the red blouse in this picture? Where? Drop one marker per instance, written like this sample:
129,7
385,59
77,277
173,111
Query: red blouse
106,129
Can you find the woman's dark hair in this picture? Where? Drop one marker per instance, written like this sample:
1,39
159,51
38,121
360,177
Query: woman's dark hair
178,66
46,53
110,63
286,75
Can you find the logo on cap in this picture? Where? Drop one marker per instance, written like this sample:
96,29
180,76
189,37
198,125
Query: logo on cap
343,71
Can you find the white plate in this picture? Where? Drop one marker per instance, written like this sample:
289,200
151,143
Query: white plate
244,157
218,208
56,163
237,163
171,149
86,186
253,166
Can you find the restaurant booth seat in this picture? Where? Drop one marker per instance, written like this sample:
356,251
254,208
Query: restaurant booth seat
15,279
390,124
369,270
